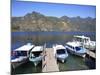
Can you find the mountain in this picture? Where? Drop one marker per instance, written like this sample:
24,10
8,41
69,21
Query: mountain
38,22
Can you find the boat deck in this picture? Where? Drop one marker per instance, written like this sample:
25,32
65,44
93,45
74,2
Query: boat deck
49,63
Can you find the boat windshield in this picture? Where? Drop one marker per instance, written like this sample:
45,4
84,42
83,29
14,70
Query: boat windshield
61,51
78,48
14,55
22,53
17,54
36,54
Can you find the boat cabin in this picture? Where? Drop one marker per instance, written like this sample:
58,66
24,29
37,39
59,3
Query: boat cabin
21,51
36,51
73,46
83,39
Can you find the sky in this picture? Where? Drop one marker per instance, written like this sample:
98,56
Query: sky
21,8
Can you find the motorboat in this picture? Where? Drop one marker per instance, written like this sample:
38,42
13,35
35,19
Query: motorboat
76,49
20,55
85,42
60,52
35,55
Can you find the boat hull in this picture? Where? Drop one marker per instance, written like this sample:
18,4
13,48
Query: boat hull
17,64
60,52
62,58
36,60
76,53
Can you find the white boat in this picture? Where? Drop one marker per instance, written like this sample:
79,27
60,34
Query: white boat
85,42
76,49
20,55
60,52
35,55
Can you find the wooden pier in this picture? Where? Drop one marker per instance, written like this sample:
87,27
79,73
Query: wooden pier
49,62
91,54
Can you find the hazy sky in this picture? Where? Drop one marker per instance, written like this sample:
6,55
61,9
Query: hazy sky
20,8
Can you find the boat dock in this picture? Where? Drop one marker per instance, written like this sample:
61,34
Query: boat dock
49,62
91,54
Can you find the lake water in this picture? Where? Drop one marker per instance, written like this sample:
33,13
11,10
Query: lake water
39,38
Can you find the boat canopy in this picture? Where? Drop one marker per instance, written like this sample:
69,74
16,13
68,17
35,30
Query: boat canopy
37,49
24,48
81,37
59,47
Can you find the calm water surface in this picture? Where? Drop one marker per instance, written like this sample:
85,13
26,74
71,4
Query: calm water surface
39,38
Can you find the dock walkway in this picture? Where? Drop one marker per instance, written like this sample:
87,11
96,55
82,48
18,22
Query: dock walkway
49,63
90,53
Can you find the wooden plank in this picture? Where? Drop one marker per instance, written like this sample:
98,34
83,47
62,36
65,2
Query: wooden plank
49,61
90,53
